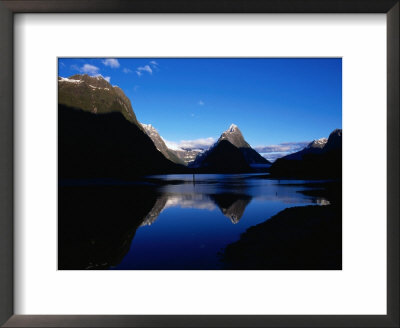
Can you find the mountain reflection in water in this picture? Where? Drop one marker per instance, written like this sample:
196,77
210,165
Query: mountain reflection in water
167,222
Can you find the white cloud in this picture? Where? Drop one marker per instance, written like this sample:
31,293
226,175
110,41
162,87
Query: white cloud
201,103
203,143
89,69
145,68
282,147
273,152
112,62
150,68
127,70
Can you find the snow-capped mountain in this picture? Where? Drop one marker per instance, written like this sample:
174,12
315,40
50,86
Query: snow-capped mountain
318,143
152,132
314,147
319,146
234,136
176,154
321,158
231,153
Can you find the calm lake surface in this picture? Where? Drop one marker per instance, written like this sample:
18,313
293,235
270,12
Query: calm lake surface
194,218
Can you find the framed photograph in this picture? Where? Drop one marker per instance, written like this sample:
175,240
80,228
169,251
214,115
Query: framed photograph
183,164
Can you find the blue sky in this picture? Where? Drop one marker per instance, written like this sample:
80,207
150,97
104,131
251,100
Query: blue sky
278,104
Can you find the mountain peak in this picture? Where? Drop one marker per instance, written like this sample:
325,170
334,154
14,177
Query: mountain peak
234,136
336,132
318,143
233,128
334,140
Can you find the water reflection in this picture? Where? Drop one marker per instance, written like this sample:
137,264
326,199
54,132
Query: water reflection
169,222
230,205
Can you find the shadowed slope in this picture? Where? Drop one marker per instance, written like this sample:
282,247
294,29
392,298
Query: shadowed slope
230,154
94,95
160,144
324,161
224,158
105,146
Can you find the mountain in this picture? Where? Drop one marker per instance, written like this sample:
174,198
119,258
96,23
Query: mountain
188,155
94,95
223,157
320,159
235,137
177,155
334,141
231,153
314,147
99,135
160,144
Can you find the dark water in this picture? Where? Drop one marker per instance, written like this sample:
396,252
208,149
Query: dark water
166,222
193,220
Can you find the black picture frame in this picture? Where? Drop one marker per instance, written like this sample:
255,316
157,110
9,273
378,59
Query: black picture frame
10,7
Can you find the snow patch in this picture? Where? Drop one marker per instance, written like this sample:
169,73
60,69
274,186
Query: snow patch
233,128
93,87
64,79
318,143
321,141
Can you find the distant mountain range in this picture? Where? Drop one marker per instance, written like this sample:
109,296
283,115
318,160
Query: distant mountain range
322,158
100,136
313,147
